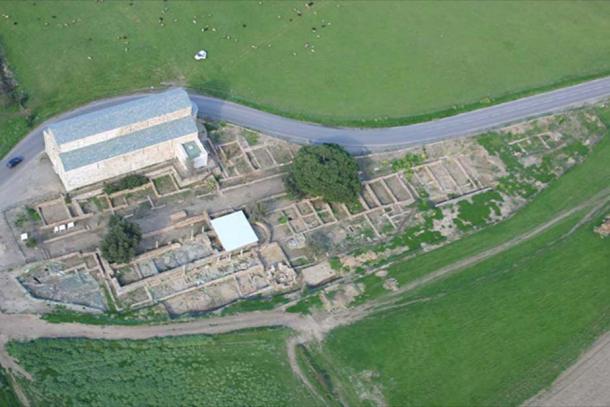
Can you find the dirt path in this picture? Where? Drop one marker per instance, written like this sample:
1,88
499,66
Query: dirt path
586,383
307,328
27,327
291,350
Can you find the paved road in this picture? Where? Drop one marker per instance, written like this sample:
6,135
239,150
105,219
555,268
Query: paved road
356,140
387,138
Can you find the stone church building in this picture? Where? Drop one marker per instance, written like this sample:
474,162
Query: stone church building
126,138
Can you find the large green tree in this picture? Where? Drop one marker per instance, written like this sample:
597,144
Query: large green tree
324,170
120,243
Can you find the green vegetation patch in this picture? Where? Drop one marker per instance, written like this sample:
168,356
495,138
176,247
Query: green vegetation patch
306,304
100,203
12,128
29,215
335,263
257,303
238,369
128,182
7,394
407,162
251,137
62,315
414,237
320,378
476,212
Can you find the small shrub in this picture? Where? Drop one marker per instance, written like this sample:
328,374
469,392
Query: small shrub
128,182
33,214
28,215
99,204
31,242
335,263
21,219
407,162
251,137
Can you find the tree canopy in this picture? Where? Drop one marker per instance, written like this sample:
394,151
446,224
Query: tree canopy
324,170
120,243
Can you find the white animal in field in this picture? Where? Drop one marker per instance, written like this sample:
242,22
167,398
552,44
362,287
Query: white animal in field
200,55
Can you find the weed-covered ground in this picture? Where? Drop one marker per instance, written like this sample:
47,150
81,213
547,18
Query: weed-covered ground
7,395
357,63
244,368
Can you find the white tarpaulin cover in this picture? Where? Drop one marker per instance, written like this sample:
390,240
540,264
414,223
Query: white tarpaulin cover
234,231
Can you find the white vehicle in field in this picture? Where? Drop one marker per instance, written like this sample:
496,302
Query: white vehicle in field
203,54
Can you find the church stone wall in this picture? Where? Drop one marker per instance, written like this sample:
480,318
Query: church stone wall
123,164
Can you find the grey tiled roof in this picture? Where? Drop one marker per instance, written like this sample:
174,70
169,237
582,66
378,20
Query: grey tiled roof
121,145
120,115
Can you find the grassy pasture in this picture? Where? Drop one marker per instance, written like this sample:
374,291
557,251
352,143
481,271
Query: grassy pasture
238,369
370,63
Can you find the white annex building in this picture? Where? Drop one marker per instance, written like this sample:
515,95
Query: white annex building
234,231
125,138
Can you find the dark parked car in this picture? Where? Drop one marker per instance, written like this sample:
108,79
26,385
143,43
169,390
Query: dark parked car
13,162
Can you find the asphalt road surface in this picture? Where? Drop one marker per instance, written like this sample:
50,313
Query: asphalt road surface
357,140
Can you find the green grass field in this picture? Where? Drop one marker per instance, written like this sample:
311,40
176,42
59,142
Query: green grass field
238,369
368,63
497,332
7,395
